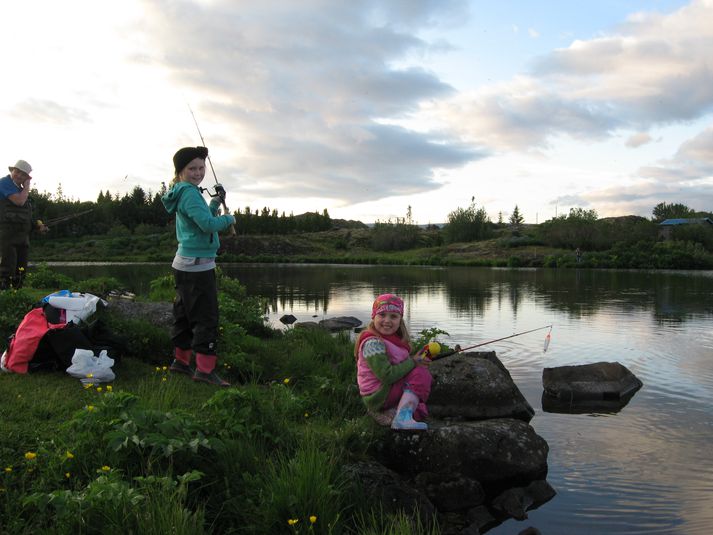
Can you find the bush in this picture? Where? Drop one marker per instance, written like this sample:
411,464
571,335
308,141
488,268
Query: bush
43,277
470,224
14,304
100,286
394,236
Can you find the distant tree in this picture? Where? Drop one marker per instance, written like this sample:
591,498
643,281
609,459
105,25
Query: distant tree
664,211
469,224
577,229
516,220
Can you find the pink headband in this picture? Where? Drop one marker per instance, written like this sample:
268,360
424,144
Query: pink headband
387,303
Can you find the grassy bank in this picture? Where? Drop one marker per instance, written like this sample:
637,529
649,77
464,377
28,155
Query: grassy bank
344,246
153,452
385,246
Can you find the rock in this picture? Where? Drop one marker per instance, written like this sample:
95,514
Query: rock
599,381
480,518
341,323
515,502
389,490
450,492
307,325
494,452
475,386
288,319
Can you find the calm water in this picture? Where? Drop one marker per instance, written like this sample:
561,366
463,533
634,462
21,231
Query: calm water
645,469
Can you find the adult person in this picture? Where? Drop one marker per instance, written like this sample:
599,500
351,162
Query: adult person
16,223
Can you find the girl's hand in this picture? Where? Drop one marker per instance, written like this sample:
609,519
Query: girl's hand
421,358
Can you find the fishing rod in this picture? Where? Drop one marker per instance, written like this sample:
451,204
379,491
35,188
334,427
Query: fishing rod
67,217
460,349
218,187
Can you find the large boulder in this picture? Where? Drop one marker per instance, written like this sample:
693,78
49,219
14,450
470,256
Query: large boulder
515,502
450,491
475,386
605,381
496,453
377,483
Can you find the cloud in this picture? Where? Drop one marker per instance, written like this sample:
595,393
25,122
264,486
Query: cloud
693,161
48,111
310,88
638,139
641,197
656,69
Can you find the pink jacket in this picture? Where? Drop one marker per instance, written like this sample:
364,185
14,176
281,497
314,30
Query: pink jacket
368,382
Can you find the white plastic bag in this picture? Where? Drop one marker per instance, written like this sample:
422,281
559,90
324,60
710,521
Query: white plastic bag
91,369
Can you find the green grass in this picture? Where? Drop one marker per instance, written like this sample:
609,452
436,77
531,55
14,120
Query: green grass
159,453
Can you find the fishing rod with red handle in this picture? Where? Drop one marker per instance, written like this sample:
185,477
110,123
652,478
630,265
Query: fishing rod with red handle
219,190
461,349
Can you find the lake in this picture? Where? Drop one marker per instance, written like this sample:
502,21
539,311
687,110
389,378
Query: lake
645,469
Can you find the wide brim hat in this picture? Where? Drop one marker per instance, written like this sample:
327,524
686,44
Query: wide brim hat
21,165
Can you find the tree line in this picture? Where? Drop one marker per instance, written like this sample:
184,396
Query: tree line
141,212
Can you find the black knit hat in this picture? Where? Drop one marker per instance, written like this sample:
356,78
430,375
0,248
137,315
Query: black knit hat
186,155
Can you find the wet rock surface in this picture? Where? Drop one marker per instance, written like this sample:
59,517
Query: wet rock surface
479,463
590,383
475,386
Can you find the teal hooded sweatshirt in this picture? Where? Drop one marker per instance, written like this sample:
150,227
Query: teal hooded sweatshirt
197,224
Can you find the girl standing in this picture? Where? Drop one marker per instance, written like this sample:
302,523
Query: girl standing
195,308
394,385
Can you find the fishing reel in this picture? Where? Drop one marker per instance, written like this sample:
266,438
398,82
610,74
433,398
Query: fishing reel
219,191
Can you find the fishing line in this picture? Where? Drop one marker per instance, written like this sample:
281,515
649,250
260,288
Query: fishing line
460,349
215,177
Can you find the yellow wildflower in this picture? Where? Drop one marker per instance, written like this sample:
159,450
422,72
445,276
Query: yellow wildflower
105,468
313,519
99,389
293,521
21,268
109,388
90,375
163,378
8,469
88,385
69,455
67,475
306,415
286,380
30,455
165,368
158,369
90,408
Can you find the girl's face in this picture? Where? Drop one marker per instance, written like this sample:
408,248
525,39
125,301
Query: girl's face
194,172
387,323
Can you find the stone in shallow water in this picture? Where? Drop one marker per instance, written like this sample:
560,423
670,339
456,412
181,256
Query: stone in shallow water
605,381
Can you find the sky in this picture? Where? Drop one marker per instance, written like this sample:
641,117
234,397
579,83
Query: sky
367,108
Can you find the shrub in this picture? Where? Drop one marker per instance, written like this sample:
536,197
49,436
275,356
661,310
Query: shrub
42,276
14,304
394,236
469,224
100,286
